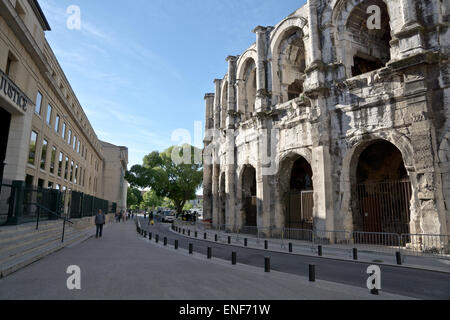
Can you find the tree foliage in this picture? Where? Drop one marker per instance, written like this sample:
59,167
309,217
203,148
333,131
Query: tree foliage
134,198
167,177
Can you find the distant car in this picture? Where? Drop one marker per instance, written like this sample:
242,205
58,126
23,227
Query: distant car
168,217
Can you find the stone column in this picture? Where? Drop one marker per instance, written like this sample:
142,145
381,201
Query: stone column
315,55
230,170
410,37
217,97
215,192
261,70
207,162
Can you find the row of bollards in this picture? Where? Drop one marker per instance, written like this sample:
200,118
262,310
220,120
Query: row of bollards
267,265
290,245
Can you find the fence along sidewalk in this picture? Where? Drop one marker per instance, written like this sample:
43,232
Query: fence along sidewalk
377,242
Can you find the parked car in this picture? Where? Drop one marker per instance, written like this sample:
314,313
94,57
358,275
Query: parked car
168,216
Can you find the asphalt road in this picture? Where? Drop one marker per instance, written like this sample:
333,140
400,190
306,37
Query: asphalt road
420,284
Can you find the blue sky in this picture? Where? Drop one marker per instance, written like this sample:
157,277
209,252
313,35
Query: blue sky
140,68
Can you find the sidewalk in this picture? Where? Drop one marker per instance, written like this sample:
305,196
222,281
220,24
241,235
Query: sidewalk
123,265
342,252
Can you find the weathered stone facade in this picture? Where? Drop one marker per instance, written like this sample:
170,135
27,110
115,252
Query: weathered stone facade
322,88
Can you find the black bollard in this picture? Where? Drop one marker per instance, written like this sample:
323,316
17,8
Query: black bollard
245,242
267,264
233,258
150,235
209,253
266,244
312,273
189,233
355,254
290,247
191,248
165,241
157,238
229,240
184,231
205,236
176,244
320,251
399,258
216,238
196,234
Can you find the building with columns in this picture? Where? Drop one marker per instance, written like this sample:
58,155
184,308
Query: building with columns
46,140
332,122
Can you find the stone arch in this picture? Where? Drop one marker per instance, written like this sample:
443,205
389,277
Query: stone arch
248,196
222,200
359,49
246,79
286,162
291,27
344,217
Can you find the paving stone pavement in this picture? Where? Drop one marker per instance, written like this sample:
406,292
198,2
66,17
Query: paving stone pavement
123,265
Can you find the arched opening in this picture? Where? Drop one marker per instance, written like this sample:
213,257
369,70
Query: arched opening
249,198
300,199
222,201
370,44
383,190
291,64
250,88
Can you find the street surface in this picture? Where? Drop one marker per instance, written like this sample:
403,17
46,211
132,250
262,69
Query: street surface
124,265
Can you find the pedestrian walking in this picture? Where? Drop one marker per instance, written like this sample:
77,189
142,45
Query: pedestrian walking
100,221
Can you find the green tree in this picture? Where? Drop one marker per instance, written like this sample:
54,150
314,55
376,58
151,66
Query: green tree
151,200
168,176
134,198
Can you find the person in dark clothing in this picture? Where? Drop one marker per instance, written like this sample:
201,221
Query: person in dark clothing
100,221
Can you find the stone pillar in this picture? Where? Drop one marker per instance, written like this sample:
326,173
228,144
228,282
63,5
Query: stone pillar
215,192
315,77
207,162
217,97
230,170
410,38
315,55
261,70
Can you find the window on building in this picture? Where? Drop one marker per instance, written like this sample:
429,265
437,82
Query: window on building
38,103
66,171
64,131
74,142
50,185
49,114
71,171
32,148
52,160
78,146
69,137
44,154
57,123
75,179
61,156
58,187
40,183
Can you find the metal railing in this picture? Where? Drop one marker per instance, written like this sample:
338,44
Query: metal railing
54,214
375,242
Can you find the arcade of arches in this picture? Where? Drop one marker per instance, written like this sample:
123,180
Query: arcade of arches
342,123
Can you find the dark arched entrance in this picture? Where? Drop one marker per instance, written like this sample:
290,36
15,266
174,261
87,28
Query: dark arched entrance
300,202
222,201
383,190
249,198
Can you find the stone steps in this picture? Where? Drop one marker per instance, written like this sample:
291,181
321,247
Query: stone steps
25,245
